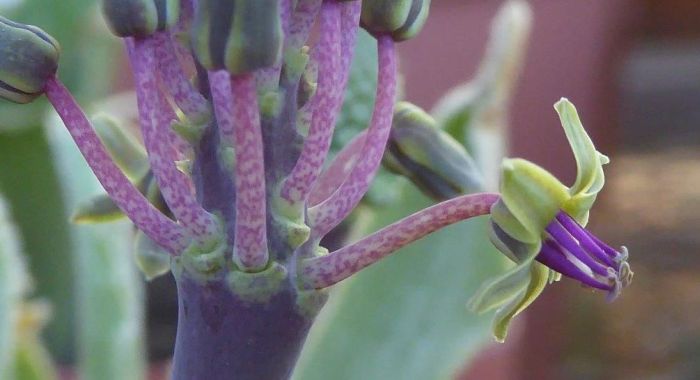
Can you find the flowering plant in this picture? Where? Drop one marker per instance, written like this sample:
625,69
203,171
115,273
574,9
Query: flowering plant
237,157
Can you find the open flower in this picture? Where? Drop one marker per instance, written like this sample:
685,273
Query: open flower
538,223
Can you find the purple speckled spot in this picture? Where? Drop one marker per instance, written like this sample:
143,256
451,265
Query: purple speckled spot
329,213
302,20
187,98
238,115
326,104
324,271
147,218
175,186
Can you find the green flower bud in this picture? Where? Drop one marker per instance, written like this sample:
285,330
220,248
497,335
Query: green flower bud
428,156
237,35
140,18
29,59
402,19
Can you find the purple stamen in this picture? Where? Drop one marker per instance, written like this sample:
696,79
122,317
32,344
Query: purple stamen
585,238
551,256
567,242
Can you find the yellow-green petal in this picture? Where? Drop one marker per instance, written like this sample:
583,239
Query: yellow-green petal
539,277
532,194
589,162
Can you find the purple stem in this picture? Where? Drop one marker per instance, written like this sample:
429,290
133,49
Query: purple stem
326,103
350,24
185,95
302,20
147,218
239,125
182,28
174,185
323,271
334,175
329,213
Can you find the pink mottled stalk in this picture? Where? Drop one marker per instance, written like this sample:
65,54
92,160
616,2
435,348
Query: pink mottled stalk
147,218
350,24
302,20
329,213
185,95
334,175
239,124
325,103
181,29
268,78
323,271
174,185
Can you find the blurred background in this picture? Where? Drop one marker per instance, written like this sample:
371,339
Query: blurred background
632,67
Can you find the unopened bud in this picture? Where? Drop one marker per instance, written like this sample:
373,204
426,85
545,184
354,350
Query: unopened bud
402,19
140,18
28,58
237,35
428,156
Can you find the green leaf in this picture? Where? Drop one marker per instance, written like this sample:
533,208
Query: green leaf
29,181
110,291
404,318
13,286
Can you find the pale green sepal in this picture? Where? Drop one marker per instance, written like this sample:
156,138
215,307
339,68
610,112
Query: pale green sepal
590,176
151,259
539,276
99,209
505,219
532,195
260,286
501,290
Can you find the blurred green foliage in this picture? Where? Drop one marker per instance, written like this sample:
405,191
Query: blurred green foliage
27,174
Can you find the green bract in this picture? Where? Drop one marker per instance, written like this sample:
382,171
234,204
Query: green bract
28,58
530,199
402,19
140,18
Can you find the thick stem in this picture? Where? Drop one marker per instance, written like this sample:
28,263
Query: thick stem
329,213
324,271
325,103
222,337
147,218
